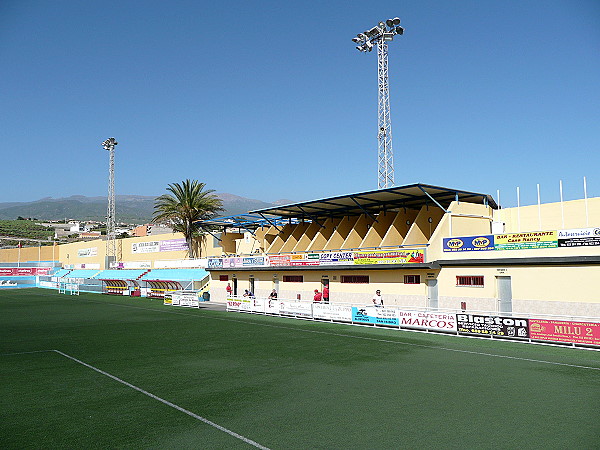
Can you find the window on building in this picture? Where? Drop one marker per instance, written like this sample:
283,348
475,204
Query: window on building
223,277
412,279
355,279
470,280
293,278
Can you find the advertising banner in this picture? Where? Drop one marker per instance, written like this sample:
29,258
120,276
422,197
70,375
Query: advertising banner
509,327
233,303
189,299
579,237
233,263
279,260
375,315
253,261
525,241
272,306
336,258
159,246
390,257
172,245
23,271
562,331
328,311
303,309
215,263
305,259
427,320
258,305
87,252
130,265
470,243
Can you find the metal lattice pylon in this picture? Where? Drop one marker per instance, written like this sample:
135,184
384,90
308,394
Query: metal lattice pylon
111,245
385,153
379,36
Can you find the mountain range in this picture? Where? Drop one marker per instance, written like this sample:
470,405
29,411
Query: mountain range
129,208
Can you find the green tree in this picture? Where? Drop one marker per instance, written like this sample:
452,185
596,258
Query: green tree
187,203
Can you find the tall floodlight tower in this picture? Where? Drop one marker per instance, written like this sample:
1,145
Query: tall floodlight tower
379,36
111,245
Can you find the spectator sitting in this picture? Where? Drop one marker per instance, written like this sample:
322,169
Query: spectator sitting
318,296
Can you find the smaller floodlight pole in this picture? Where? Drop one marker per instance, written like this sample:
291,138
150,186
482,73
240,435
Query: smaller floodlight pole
111,244
380,35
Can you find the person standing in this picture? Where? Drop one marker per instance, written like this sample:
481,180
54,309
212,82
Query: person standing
378,299
326,293
273,295
228,289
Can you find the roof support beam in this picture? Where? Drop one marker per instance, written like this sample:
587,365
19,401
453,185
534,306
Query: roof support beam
433,199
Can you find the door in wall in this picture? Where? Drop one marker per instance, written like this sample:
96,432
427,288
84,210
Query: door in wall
504,294
432,294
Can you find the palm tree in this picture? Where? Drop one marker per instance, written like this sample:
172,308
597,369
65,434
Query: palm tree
186,204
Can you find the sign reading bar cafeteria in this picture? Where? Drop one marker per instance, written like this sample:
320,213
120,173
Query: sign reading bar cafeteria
399,256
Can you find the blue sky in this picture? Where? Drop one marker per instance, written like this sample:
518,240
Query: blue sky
270,99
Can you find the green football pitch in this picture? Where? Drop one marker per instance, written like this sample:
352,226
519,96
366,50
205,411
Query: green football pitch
96,371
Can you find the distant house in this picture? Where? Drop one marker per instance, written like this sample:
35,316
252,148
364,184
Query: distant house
150,230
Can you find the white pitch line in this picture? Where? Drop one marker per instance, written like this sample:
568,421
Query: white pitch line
25,353
166,402
517,358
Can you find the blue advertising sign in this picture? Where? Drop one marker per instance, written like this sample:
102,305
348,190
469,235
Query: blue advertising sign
375,315
253,261
215,263
469,243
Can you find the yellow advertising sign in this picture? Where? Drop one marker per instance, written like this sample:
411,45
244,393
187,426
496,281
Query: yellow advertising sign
390,257
521,241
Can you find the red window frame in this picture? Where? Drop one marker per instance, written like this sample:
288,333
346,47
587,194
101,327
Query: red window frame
469,280
355,279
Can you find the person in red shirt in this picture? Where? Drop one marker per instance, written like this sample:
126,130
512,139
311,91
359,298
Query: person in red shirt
318,296
326,293
228,289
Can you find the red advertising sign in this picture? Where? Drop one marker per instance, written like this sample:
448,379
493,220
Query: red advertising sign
23,271
559,331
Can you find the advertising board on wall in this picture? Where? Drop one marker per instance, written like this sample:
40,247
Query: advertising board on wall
509,327
87,252
390,257
565,331
169,245
23,271
325,259
525,241
469,243
579,237
427,320
375,315
329,311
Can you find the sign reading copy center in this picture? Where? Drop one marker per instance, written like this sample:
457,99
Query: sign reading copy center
509,327
329,311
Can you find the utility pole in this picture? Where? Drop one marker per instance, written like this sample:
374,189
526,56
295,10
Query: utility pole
111,246
379,36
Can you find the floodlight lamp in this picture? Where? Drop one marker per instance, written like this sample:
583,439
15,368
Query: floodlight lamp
368,45
388,36
390,23
356,40
400,31
396,21
375,31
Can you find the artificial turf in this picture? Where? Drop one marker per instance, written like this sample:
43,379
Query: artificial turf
282,383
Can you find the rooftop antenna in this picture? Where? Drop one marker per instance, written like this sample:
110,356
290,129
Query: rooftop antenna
111,245
379,36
